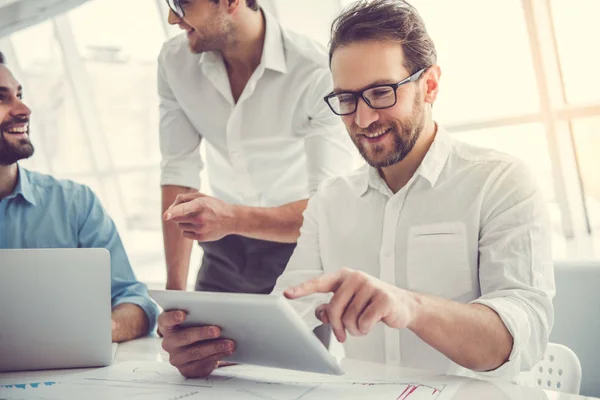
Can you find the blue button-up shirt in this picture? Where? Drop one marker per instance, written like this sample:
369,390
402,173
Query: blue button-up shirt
44,212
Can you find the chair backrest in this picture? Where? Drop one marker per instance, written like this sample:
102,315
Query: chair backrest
558,370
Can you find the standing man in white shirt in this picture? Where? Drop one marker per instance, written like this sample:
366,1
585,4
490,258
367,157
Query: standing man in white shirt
253,91
437,253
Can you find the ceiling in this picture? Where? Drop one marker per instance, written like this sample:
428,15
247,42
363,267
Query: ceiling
19,14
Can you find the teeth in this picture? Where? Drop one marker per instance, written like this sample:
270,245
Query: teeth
376,134
18,129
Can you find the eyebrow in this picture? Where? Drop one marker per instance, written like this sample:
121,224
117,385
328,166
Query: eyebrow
370,85
6,89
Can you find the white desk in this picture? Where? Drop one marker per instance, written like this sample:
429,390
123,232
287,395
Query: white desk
149,349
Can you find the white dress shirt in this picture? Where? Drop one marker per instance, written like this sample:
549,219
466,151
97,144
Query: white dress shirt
470,226
275,145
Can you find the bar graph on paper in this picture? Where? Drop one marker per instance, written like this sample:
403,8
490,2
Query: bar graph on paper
160,381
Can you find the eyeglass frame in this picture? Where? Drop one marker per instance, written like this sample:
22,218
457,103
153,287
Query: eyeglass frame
360,94
175,6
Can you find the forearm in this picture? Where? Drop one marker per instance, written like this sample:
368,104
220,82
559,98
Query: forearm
471,335
177,247
278,224
129,321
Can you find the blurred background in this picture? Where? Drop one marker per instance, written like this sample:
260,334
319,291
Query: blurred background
517,75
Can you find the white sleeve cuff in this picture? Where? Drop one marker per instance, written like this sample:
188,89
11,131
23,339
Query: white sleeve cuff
515,319
180,178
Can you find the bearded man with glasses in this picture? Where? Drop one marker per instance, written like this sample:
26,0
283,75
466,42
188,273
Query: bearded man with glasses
437,252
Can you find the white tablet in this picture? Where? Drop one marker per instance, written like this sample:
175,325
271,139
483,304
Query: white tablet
266,329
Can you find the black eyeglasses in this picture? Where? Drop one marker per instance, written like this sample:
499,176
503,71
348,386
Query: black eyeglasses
377,97
175,6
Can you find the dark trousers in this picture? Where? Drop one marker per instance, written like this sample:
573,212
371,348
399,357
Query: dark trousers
242,265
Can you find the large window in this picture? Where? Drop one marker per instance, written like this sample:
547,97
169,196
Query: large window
576,23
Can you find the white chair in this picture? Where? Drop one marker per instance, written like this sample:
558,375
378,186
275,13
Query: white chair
559,369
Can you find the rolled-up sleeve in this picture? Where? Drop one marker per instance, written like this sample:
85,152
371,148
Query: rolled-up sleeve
329,150
97,230
181,162
516,272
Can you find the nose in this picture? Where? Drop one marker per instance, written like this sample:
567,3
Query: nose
20,109
173,19
364,115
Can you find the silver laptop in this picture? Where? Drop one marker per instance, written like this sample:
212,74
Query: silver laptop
55,309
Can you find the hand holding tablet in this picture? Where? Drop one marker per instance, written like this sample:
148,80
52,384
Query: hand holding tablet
194,351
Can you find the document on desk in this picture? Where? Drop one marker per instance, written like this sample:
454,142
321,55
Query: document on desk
161,381
37,379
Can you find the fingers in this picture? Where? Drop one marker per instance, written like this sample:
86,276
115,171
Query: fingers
202,368
188,336
201,351
337,307
357,303
183,210
371,315
322,284
201,237
186,227
357,306
169,320
321,313
195,231
195,351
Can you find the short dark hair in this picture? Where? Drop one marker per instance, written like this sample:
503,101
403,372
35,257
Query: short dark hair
252,4
1,58
385,20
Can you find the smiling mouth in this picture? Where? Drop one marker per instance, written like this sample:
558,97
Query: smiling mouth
17,130
376,135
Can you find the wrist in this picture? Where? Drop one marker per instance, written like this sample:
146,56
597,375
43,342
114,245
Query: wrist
418,306
238,216
176,284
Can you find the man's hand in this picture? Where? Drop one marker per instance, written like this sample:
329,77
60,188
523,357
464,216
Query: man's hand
202,217
195,351
358,303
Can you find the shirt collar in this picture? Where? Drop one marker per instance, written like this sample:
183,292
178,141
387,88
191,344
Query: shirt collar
432,165
23,187
430,169
273,55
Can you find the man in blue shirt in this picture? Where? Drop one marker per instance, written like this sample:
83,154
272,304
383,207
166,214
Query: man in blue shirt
38,211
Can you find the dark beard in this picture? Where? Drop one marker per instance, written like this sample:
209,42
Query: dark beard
10,154
405,136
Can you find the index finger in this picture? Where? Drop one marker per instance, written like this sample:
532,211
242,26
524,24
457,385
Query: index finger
170,319
322,284
182,210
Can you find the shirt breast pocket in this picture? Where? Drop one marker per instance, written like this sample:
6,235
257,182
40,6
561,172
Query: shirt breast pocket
437,260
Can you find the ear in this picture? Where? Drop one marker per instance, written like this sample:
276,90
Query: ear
233,5
432,80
